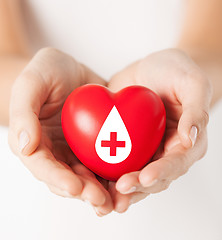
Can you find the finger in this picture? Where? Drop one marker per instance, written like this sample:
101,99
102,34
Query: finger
121,202
169,167
107,207
81,169
46,168
195,96
93,191
59,192
137,197
128,183
28,94
175,163
158,186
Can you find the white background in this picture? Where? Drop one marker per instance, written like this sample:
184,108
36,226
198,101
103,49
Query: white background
107,35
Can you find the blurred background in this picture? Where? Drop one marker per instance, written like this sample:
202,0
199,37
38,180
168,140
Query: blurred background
107,36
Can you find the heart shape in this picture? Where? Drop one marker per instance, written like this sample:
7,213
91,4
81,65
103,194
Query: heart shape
113,133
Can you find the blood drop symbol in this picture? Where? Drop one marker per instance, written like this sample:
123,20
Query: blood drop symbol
113,143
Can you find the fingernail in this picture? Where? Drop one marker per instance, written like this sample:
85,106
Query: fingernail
88,202
98,212
193,135
131,190
132,200
120,208
150,183
23,140
67,194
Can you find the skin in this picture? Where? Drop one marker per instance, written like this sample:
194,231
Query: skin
15,51
177,152
37,114
38,86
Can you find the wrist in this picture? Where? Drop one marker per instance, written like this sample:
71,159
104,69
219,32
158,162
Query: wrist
210,62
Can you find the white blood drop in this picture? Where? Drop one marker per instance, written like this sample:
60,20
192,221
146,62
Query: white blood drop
113,127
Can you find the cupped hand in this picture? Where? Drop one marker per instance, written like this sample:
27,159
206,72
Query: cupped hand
35,132
186,94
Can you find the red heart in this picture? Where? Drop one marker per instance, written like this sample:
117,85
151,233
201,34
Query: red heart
113,133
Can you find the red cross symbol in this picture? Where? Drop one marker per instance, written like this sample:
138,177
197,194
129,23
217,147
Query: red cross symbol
113,143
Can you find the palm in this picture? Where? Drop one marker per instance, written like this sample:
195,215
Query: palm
54,144
171,136
172,75
46,83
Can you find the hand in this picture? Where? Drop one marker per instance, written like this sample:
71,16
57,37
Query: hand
35,132
186,94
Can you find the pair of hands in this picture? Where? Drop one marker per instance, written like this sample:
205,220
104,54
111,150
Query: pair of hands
36,137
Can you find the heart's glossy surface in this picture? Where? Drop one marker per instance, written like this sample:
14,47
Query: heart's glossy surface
113,133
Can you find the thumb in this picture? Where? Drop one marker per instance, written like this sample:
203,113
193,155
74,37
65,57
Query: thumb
192,121
24,126
195,105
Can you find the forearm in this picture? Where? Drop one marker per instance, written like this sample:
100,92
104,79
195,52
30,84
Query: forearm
14,37
10,67
15,50
212,66
201,38
202,26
